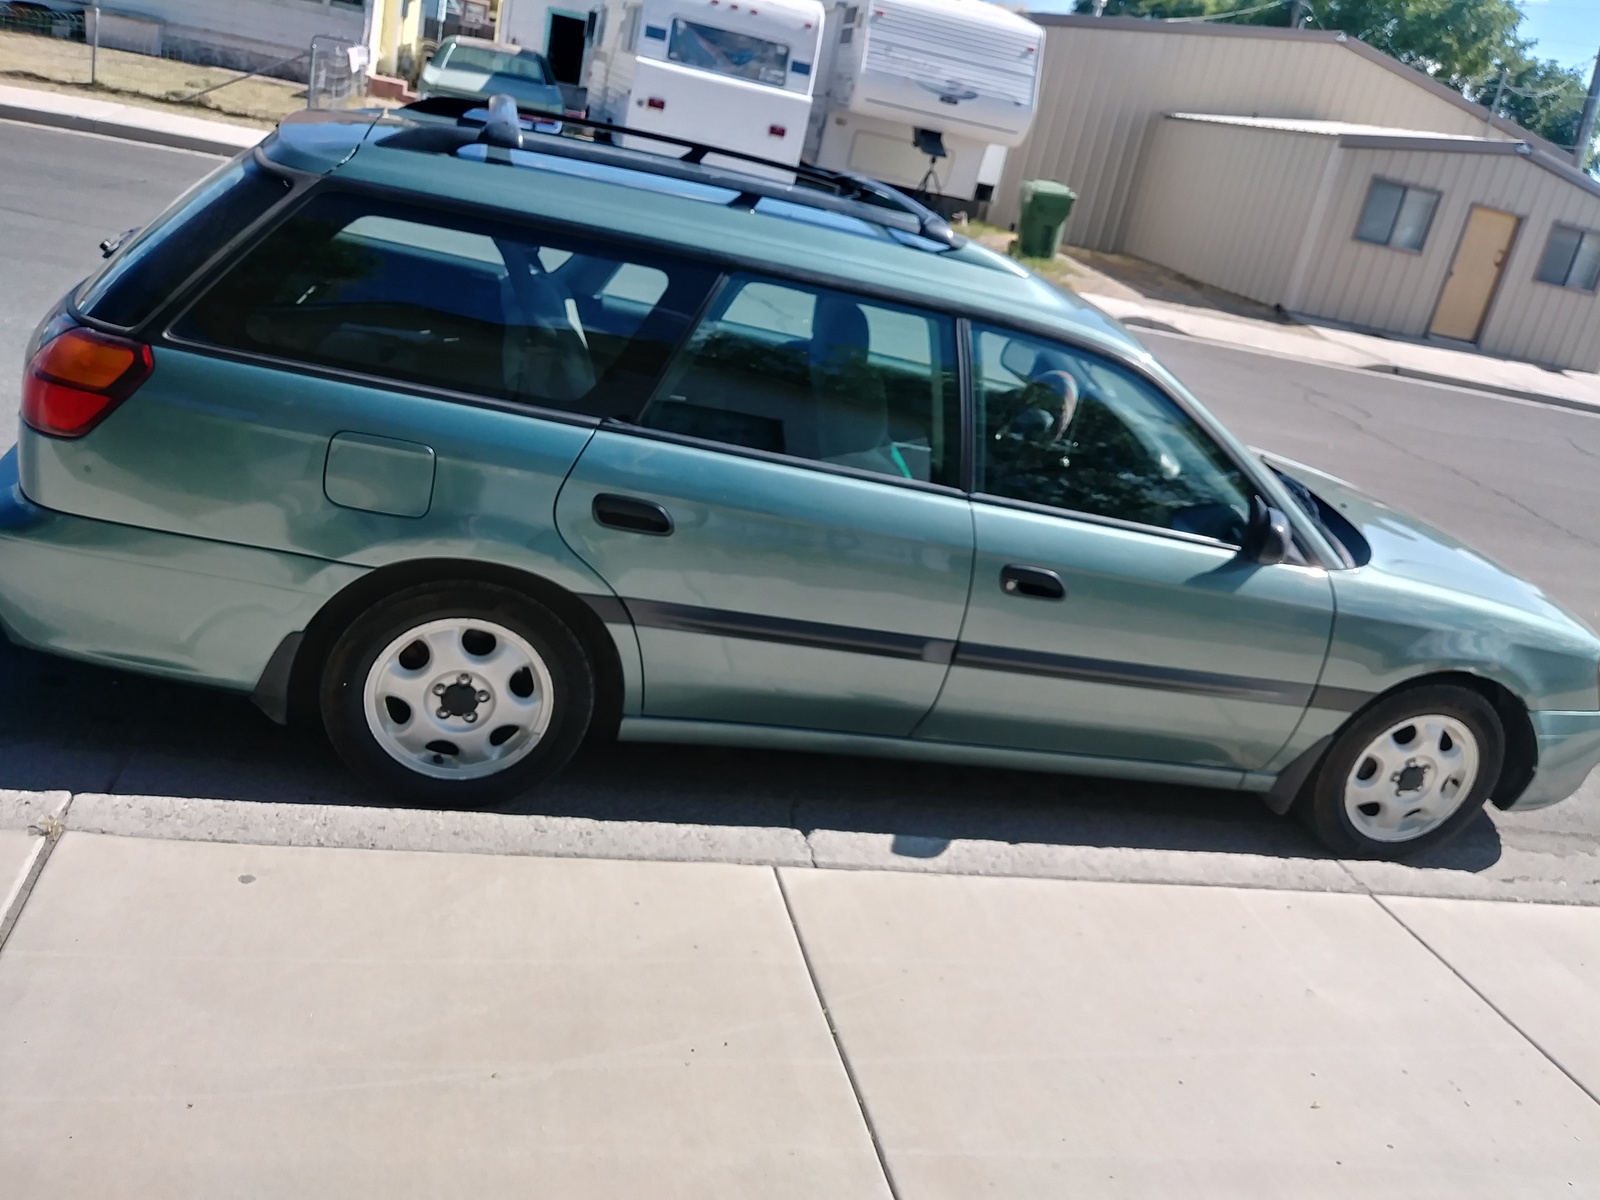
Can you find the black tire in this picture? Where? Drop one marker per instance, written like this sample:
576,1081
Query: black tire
344,676
1322,804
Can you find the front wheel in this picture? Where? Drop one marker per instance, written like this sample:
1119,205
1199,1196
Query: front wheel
1408,774
460,695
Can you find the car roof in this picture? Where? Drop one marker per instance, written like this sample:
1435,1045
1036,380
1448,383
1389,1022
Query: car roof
970,279
489,44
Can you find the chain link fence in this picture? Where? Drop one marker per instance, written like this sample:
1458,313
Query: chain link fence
338,74
135,59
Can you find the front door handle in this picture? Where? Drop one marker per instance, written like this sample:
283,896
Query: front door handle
634,516
1034,582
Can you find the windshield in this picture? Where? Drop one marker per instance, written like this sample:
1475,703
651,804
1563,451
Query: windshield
524,65
727,53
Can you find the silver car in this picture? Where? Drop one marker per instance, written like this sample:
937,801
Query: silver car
474,68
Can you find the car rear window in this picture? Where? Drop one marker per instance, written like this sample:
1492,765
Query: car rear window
176,244
429,297
526,65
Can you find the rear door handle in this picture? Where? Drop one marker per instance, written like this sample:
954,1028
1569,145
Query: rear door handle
1034,582
634,516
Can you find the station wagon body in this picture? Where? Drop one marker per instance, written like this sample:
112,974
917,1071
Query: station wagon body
787,472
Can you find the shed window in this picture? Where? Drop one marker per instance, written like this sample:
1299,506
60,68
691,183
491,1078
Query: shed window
1397,215
1571,258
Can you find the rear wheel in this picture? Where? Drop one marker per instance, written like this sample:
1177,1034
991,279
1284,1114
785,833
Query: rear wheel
459,695
1408,774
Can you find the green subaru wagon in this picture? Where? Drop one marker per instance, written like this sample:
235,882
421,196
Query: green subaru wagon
474,443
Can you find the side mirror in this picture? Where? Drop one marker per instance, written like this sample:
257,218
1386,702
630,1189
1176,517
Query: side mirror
1267,537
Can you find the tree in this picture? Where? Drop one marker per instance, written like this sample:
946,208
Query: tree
1463,43
1540,95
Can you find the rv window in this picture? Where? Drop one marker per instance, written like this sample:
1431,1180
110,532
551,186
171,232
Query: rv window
724,53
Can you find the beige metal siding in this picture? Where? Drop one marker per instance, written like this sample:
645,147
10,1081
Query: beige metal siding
1381,288
1227,205
1102,85
1534,320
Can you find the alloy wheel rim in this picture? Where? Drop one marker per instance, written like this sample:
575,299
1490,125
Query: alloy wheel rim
458,698
1411,778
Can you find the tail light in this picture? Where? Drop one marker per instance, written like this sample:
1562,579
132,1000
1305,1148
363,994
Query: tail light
75,381
656,102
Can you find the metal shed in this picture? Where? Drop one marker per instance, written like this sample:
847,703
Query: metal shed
1319,175
1312,216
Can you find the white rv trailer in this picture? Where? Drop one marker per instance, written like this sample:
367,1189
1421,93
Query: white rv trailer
925,94
733,73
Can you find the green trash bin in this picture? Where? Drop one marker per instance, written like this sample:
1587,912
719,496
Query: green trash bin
1046,205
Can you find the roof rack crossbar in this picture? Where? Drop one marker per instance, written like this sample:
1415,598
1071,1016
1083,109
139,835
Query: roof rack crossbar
866,193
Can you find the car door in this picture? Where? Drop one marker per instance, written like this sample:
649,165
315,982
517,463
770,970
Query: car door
782,520
1111,613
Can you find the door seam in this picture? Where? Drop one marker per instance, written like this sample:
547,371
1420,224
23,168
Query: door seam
961,629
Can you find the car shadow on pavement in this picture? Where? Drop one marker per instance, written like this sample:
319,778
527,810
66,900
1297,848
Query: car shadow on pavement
67,725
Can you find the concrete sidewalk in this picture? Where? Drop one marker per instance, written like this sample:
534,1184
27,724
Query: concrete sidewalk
130,122
200,1018
1311,341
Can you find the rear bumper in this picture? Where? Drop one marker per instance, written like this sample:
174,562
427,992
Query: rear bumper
1569,748
142,600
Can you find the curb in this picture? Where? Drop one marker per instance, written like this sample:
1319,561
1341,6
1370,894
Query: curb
1496,389
172,139
1161,329
1529,874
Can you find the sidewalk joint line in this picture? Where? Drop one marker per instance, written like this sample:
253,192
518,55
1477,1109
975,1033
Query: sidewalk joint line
1493,1007
833,1032
48,829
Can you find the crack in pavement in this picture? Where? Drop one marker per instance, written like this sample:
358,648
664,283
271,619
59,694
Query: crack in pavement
1359,426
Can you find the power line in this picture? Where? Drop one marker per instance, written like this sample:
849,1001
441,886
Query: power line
1238,12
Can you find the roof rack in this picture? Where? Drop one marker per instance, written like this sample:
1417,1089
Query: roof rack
817,187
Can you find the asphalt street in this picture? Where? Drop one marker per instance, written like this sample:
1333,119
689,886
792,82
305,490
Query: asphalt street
1516,480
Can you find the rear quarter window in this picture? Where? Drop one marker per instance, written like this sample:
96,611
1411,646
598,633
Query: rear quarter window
451,301
156,262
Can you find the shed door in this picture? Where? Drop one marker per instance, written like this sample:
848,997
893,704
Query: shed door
1474,275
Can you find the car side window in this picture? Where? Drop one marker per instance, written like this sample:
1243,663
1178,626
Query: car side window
426,297
1066,428
819,374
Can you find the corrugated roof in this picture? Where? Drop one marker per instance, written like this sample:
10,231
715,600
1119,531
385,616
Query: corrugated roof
1208,29
1331,128
1380,137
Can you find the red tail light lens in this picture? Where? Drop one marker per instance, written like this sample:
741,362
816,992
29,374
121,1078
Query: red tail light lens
76,380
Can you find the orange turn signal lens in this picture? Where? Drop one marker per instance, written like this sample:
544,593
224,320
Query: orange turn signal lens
75,380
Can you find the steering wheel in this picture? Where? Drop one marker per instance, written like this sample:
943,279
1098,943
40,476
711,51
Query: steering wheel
1047,405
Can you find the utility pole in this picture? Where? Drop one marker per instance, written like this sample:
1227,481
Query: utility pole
1099,8
1499,95
1580,148
1297,14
